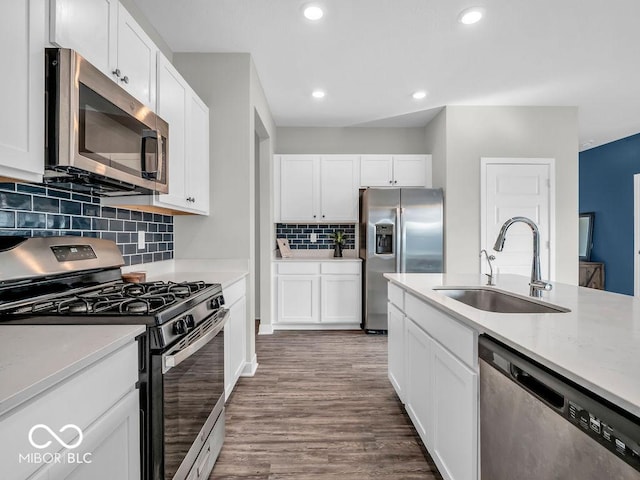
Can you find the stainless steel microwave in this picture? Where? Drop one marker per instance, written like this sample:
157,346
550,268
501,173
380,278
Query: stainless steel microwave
99,138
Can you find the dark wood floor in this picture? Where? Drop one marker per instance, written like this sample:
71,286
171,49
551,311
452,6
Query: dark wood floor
320,407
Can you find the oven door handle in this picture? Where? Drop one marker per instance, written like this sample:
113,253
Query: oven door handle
170,361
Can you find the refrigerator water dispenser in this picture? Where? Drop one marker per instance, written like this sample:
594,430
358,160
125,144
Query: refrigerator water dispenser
384,238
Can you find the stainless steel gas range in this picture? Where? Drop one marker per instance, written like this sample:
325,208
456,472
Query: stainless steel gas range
74,280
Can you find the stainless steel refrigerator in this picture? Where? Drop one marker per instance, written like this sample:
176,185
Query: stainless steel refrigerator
400,231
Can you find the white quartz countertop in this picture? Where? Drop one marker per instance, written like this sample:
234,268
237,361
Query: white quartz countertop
224,278
225,272
596,344
33,358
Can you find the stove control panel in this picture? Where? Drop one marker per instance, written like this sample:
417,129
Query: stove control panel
72,253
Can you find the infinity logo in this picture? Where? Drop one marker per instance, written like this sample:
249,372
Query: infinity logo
52,433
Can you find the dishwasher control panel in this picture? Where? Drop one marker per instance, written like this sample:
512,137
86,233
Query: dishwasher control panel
605,434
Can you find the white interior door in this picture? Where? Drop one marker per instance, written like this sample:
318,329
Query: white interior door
511,188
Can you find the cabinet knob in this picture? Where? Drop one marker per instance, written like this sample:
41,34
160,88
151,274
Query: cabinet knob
390,181
116,72
314,216
322,216
124,79
395,181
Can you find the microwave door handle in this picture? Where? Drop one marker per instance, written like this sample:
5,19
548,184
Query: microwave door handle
146,135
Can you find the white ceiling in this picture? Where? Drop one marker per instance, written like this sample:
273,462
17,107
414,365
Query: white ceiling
370,55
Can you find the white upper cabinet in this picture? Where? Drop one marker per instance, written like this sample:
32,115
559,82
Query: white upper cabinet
376,171
136,62
106,34
172,107
395,171
338,188
22,32
197,154
298,188
88,26
188,119
318,188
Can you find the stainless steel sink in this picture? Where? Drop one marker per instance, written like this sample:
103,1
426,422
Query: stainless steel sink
491,300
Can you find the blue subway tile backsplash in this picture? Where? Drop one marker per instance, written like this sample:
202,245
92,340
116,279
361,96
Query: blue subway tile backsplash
299,235
37,211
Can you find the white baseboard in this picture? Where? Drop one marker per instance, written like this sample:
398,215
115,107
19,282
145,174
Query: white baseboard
317,326
265,329
250,368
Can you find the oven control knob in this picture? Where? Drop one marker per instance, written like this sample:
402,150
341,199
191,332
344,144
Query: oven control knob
180,327
221,300
189,322
215,303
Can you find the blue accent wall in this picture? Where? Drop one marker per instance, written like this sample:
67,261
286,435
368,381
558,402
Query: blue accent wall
606,188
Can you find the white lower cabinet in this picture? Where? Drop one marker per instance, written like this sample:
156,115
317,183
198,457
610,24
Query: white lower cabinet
235,334
440,375
109,449
419,398
339,296
318,295
102,402
299,299
455,415
396,353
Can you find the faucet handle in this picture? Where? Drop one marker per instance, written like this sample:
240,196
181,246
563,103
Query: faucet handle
540,285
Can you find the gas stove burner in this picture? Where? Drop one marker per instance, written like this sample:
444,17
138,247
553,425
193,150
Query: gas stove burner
78,306
133,289
134,306
180,290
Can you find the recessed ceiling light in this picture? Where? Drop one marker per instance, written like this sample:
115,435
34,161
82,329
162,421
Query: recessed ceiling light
318,94
313,12
419,95
471,15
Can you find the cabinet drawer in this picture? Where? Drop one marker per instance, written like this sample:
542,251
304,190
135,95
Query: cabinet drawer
234,292
451,334
396,296
338,267
299,268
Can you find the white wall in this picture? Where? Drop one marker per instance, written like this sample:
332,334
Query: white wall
436,144
229,85
222,81
474,132
349,140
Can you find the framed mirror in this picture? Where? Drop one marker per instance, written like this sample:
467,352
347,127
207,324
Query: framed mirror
585,228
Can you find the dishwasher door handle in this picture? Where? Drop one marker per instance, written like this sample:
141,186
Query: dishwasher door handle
537,388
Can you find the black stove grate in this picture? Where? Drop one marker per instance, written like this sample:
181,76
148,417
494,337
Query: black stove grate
118,298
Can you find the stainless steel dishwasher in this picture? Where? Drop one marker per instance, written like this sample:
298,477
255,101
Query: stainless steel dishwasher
534,424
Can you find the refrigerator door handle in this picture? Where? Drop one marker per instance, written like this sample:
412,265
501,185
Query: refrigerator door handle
398,235
403,242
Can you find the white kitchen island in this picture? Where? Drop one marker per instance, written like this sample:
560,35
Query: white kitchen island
433,353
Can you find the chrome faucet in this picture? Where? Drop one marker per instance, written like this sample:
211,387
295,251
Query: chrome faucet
489,275
536,285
